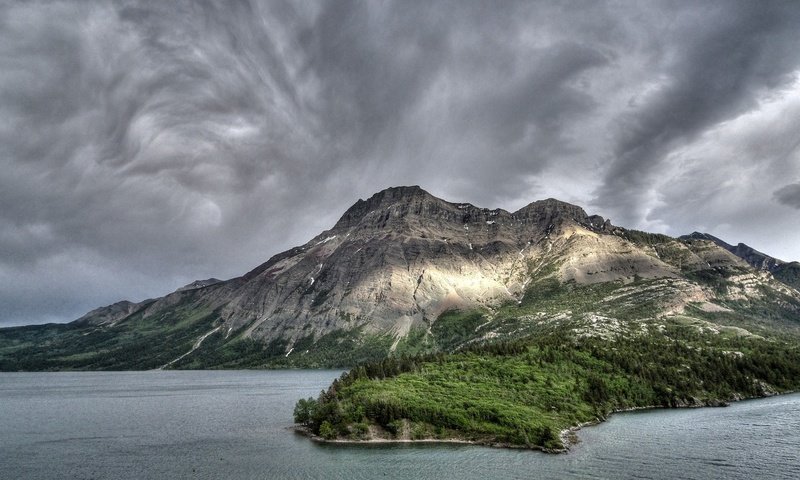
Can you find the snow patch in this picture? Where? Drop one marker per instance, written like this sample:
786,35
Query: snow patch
195,347
325,241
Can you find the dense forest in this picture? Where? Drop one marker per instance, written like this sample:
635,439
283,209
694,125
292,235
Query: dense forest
524,393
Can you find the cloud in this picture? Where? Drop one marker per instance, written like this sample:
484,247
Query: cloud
147,135
722,182
720,57
147,144
789,195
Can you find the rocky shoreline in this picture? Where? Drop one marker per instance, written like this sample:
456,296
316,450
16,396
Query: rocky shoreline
372,440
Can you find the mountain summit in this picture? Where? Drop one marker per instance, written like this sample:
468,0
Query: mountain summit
386,275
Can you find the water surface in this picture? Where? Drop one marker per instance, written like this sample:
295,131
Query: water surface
233,424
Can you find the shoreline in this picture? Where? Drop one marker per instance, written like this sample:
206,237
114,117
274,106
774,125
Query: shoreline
304,431
569,436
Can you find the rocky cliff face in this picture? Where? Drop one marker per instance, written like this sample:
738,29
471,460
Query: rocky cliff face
394,263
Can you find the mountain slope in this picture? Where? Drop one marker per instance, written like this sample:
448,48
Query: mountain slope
756,259
786,272
405,272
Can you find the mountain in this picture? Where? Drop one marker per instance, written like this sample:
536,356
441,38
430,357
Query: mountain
200,284
786,272
750,255
404,272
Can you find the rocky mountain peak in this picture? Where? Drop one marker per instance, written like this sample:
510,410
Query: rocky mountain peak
551,211
554,205
707,236
402,196
401,205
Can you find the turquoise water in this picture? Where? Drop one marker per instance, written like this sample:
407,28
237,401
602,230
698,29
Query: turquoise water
234,424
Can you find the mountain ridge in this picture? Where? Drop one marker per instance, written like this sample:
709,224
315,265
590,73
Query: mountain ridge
382,277
786,272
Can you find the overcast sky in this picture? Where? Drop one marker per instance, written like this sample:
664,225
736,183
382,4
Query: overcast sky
147,144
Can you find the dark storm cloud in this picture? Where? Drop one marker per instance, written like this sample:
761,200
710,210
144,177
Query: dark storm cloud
450,93
146,144
139,138
719,58
789,195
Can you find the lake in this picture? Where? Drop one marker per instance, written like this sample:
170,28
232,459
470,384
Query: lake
234,425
